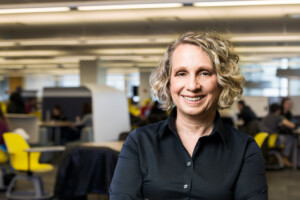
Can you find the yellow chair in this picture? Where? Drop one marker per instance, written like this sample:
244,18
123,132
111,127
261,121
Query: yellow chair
267,143
22,160
260,138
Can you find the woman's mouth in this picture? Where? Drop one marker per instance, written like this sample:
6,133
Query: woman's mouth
193,99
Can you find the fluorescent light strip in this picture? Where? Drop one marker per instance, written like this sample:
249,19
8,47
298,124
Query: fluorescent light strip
34,10
6,44
282,38
245,3
269,49
129,6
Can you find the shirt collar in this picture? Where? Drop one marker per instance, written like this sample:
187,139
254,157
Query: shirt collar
219,127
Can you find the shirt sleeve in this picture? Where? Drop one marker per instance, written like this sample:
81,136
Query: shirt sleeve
251,183
127,180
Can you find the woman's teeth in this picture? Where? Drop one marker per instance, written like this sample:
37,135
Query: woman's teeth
192,98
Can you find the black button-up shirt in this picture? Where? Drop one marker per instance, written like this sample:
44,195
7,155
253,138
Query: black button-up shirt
154,164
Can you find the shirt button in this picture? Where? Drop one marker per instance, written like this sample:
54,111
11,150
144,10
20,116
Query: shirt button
188,164
185,186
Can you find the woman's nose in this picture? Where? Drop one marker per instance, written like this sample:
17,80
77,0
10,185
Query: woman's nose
193,84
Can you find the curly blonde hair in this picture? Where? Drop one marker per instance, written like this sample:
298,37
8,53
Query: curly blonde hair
224,62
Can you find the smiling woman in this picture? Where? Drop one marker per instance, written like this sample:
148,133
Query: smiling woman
192,154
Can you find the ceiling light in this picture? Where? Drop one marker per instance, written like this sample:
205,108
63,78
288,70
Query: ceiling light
265,38
21,53
129,6
48,42
34,10
269,49
129,51
245,3
6,44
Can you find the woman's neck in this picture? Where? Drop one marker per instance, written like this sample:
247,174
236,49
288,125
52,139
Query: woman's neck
195,125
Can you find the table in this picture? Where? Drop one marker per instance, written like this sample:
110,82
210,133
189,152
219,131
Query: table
41,150
56,126
115,145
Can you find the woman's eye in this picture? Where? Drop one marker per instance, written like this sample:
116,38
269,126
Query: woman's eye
204,74
180,74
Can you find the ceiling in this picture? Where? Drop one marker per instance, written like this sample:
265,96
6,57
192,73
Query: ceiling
55,42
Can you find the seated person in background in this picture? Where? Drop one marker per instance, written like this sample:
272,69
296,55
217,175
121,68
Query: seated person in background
249,118
16,104
57,113
73,133
285,108
87,117
156,113
285,111
3,127
30,106
271,124
146,110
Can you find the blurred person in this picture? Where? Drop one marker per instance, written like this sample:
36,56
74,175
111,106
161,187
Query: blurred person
87,117
16,103
57,113
285,108
285,111
156,114
271,124
30,106
187,155
73,133
250,125
3,127
145,110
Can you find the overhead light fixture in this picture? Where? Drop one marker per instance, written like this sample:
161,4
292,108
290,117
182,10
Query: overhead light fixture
268,49
34,10
129,51
129,6
26,53
48,42
6,44
265,38
245,3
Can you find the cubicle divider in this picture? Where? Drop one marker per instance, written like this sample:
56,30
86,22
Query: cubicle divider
70,99
109,108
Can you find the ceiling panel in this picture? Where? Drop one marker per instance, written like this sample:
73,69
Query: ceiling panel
138,37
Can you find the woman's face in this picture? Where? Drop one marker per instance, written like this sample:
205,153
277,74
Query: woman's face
193,82
287,105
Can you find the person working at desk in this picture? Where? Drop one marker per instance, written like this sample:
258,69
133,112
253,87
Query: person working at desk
57,114
271,124
192,154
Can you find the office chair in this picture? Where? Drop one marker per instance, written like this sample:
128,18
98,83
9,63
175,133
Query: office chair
86,134
266,142
27,162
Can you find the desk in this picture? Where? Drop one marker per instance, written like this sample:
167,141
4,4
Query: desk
116,145
56,126
41,150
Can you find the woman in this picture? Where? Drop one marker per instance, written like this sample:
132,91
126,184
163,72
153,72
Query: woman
192,154
286,105
3,127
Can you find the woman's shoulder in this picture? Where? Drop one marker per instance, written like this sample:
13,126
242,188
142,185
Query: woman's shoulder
148,131
238,138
